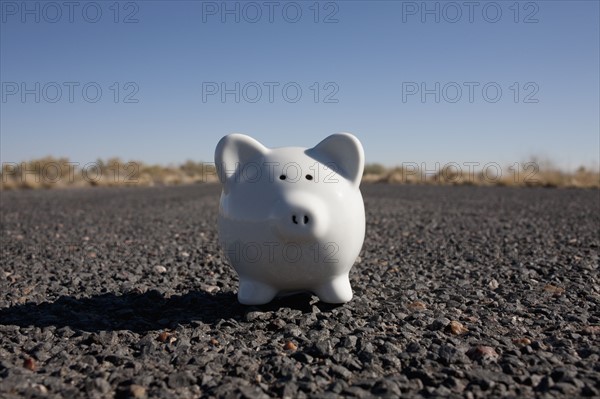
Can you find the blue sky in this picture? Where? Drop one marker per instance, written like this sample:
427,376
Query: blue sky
360,65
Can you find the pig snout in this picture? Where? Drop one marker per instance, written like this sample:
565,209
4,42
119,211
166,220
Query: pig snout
300,217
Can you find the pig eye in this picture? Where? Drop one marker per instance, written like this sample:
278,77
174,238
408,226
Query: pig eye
282,177
309,177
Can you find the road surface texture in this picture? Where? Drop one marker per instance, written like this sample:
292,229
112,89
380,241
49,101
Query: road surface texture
459,291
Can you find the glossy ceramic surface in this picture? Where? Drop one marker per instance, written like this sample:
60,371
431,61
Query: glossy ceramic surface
291,219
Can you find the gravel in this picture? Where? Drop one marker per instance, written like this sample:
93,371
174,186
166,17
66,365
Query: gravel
459,291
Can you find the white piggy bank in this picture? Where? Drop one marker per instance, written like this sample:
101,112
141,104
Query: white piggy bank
291,219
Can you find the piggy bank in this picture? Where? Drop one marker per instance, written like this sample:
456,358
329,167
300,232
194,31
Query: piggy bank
291,219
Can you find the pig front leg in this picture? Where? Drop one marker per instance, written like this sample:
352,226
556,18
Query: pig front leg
253,292
337,290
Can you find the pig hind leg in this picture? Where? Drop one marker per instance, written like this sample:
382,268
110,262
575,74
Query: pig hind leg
253,292
337,290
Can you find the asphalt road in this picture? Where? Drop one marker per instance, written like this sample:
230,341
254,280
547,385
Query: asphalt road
459,291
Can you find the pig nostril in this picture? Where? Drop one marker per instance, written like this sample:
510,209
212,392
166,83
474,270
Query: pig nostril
296,219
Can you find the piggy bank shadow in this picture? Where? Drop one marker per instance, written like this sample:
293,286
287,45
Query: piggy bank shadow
137,312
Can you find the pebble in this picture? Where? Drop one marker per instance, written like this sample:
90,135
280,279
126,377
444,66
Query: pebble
137,391
160,269
554,290
290,346
456,328
483,352
545,384
30,364
164,336
211,288
591,330
180,379
417,305
522,341
341,371
41,388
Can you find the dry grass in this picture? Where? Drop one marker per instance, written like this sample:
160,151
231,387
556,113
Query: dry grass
52,172
528,174
60,172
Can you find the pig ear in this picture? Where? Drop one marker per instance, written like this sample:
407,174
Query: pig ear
233,152
343,153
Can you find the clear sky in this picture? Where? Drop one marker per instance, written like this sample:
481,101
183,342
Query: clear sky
511,79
